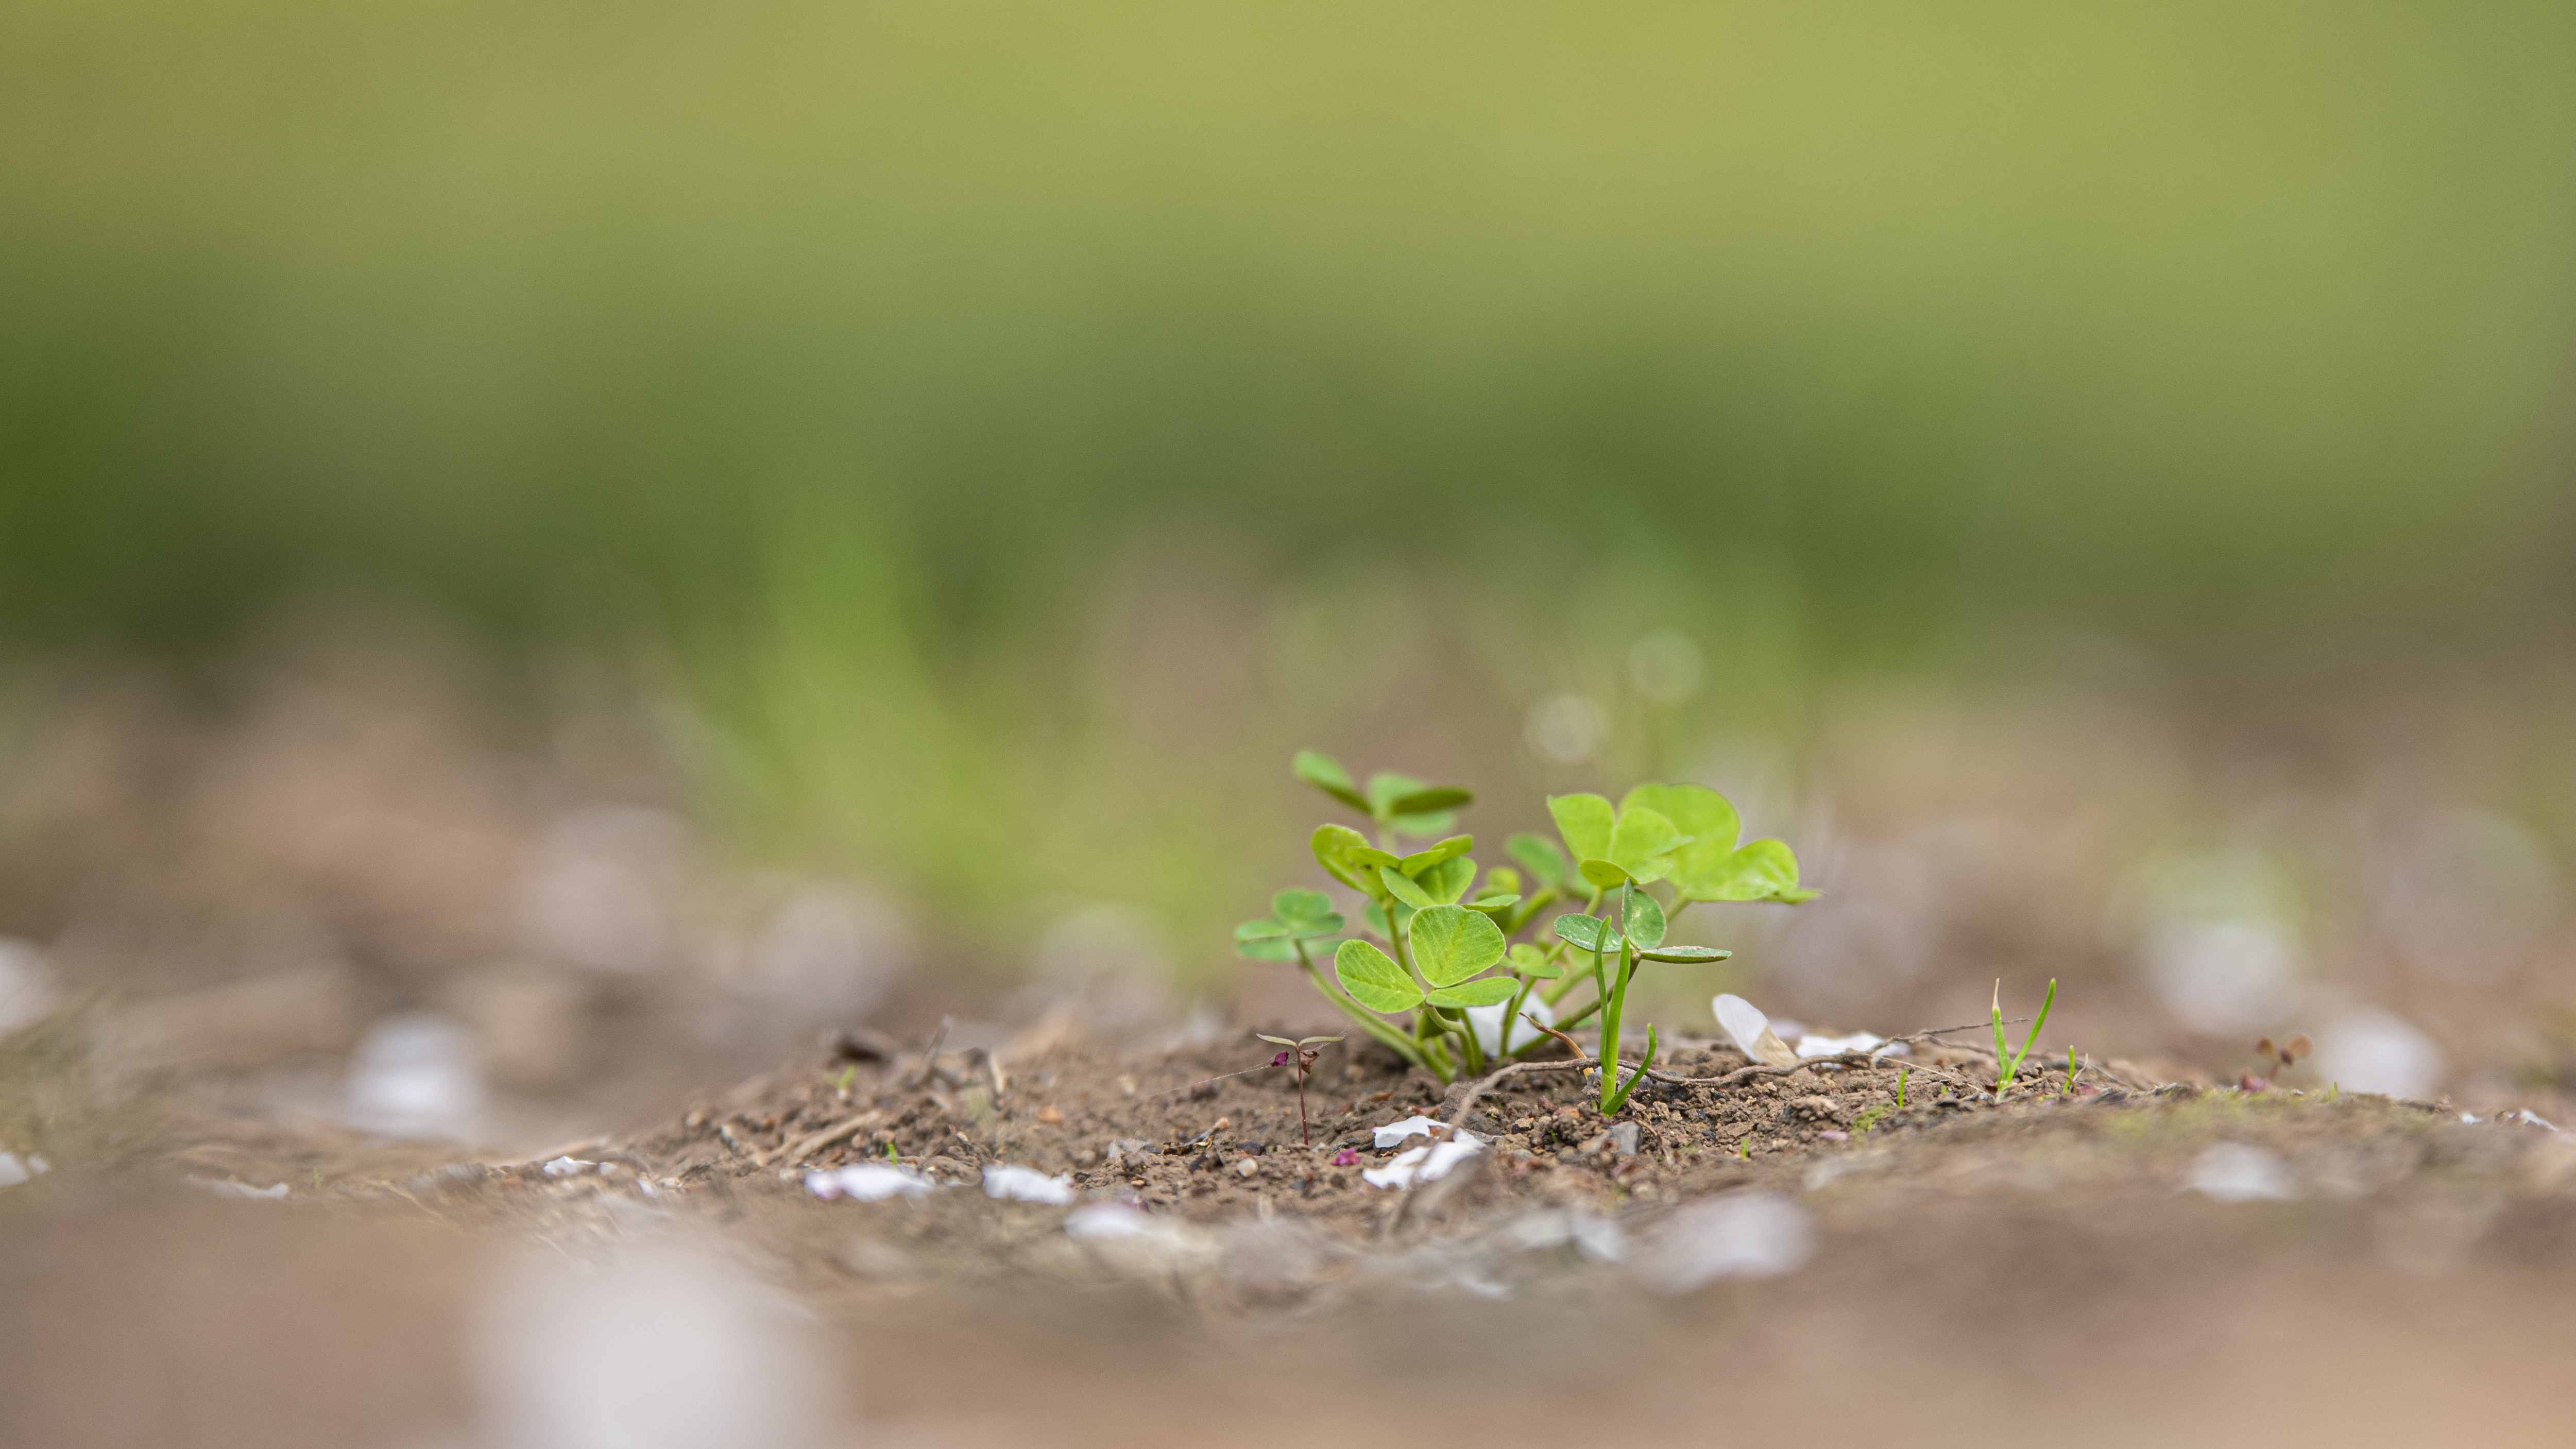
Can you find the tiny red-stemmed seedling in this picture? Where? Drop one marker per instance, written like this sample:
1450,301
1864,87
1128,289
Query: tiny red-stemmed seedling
2277,1057
2287,1053
1301,1055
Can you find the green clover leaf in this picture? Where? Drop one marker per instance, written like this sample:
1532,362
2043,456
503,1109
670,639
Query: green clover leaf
1373,980
1452,943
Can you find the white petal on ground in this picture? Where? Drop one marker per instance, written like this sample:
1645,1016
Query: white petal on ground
12,1171
415,1075
2240,1172
1416,1125
1752,1031
866,1182
221,1187
2372,1051
1740,1235
1812,1045
1488,1024
1424,1164
567,1167
1026,1184
1107,1222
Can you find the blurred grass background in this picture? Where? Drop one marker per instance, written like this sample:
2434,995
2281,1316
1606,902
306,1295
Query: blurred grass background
1001,432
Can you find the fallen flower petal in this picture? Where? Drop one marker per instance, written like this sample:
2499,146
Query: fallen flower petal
1424,1164
567,1166
1812,1045
866,1182
1346,1158
1752,1031
1488,1024
1413,1126
1026,1184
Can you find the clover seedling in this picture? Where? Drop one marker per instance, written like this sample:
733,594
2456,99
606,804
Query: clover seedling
1300,1054
1429,934
2007,1061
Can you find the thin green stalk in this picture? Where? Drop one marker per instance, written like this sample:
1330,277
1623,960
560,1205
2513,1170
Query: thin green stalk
1610,1036
1395,934
1512,1016
1630,1085
2008,1063
1474,1049
1613,997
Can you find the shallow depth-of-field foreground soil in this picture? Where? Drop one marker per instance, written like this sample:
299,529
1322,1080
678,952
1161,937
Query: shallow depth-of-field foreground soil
1776,1258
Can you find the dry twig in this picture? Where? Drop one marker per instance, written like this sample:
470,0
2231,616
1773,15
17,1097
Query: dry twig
807,1146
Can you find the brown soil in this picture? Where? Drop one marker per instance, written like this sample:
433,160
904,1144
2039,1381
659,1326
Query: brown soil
1198,1135
2037,1259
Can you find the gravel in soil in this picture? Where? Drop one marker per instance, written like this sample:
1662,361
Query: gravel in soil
2347,1266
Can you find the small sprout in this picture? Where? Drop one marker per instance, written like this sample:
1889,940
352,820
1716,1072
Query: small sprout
1302,1052
1868,1118
2007,1061
1901,1073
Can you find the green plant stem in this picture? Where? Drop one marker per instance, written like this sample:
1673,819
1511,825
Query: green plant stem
1629,1086
1395,934
1614,997
1512,1016
1468,1047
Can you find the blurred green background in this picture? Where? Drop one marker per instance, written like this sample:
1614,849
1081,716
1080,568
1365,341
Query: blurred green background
878,376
